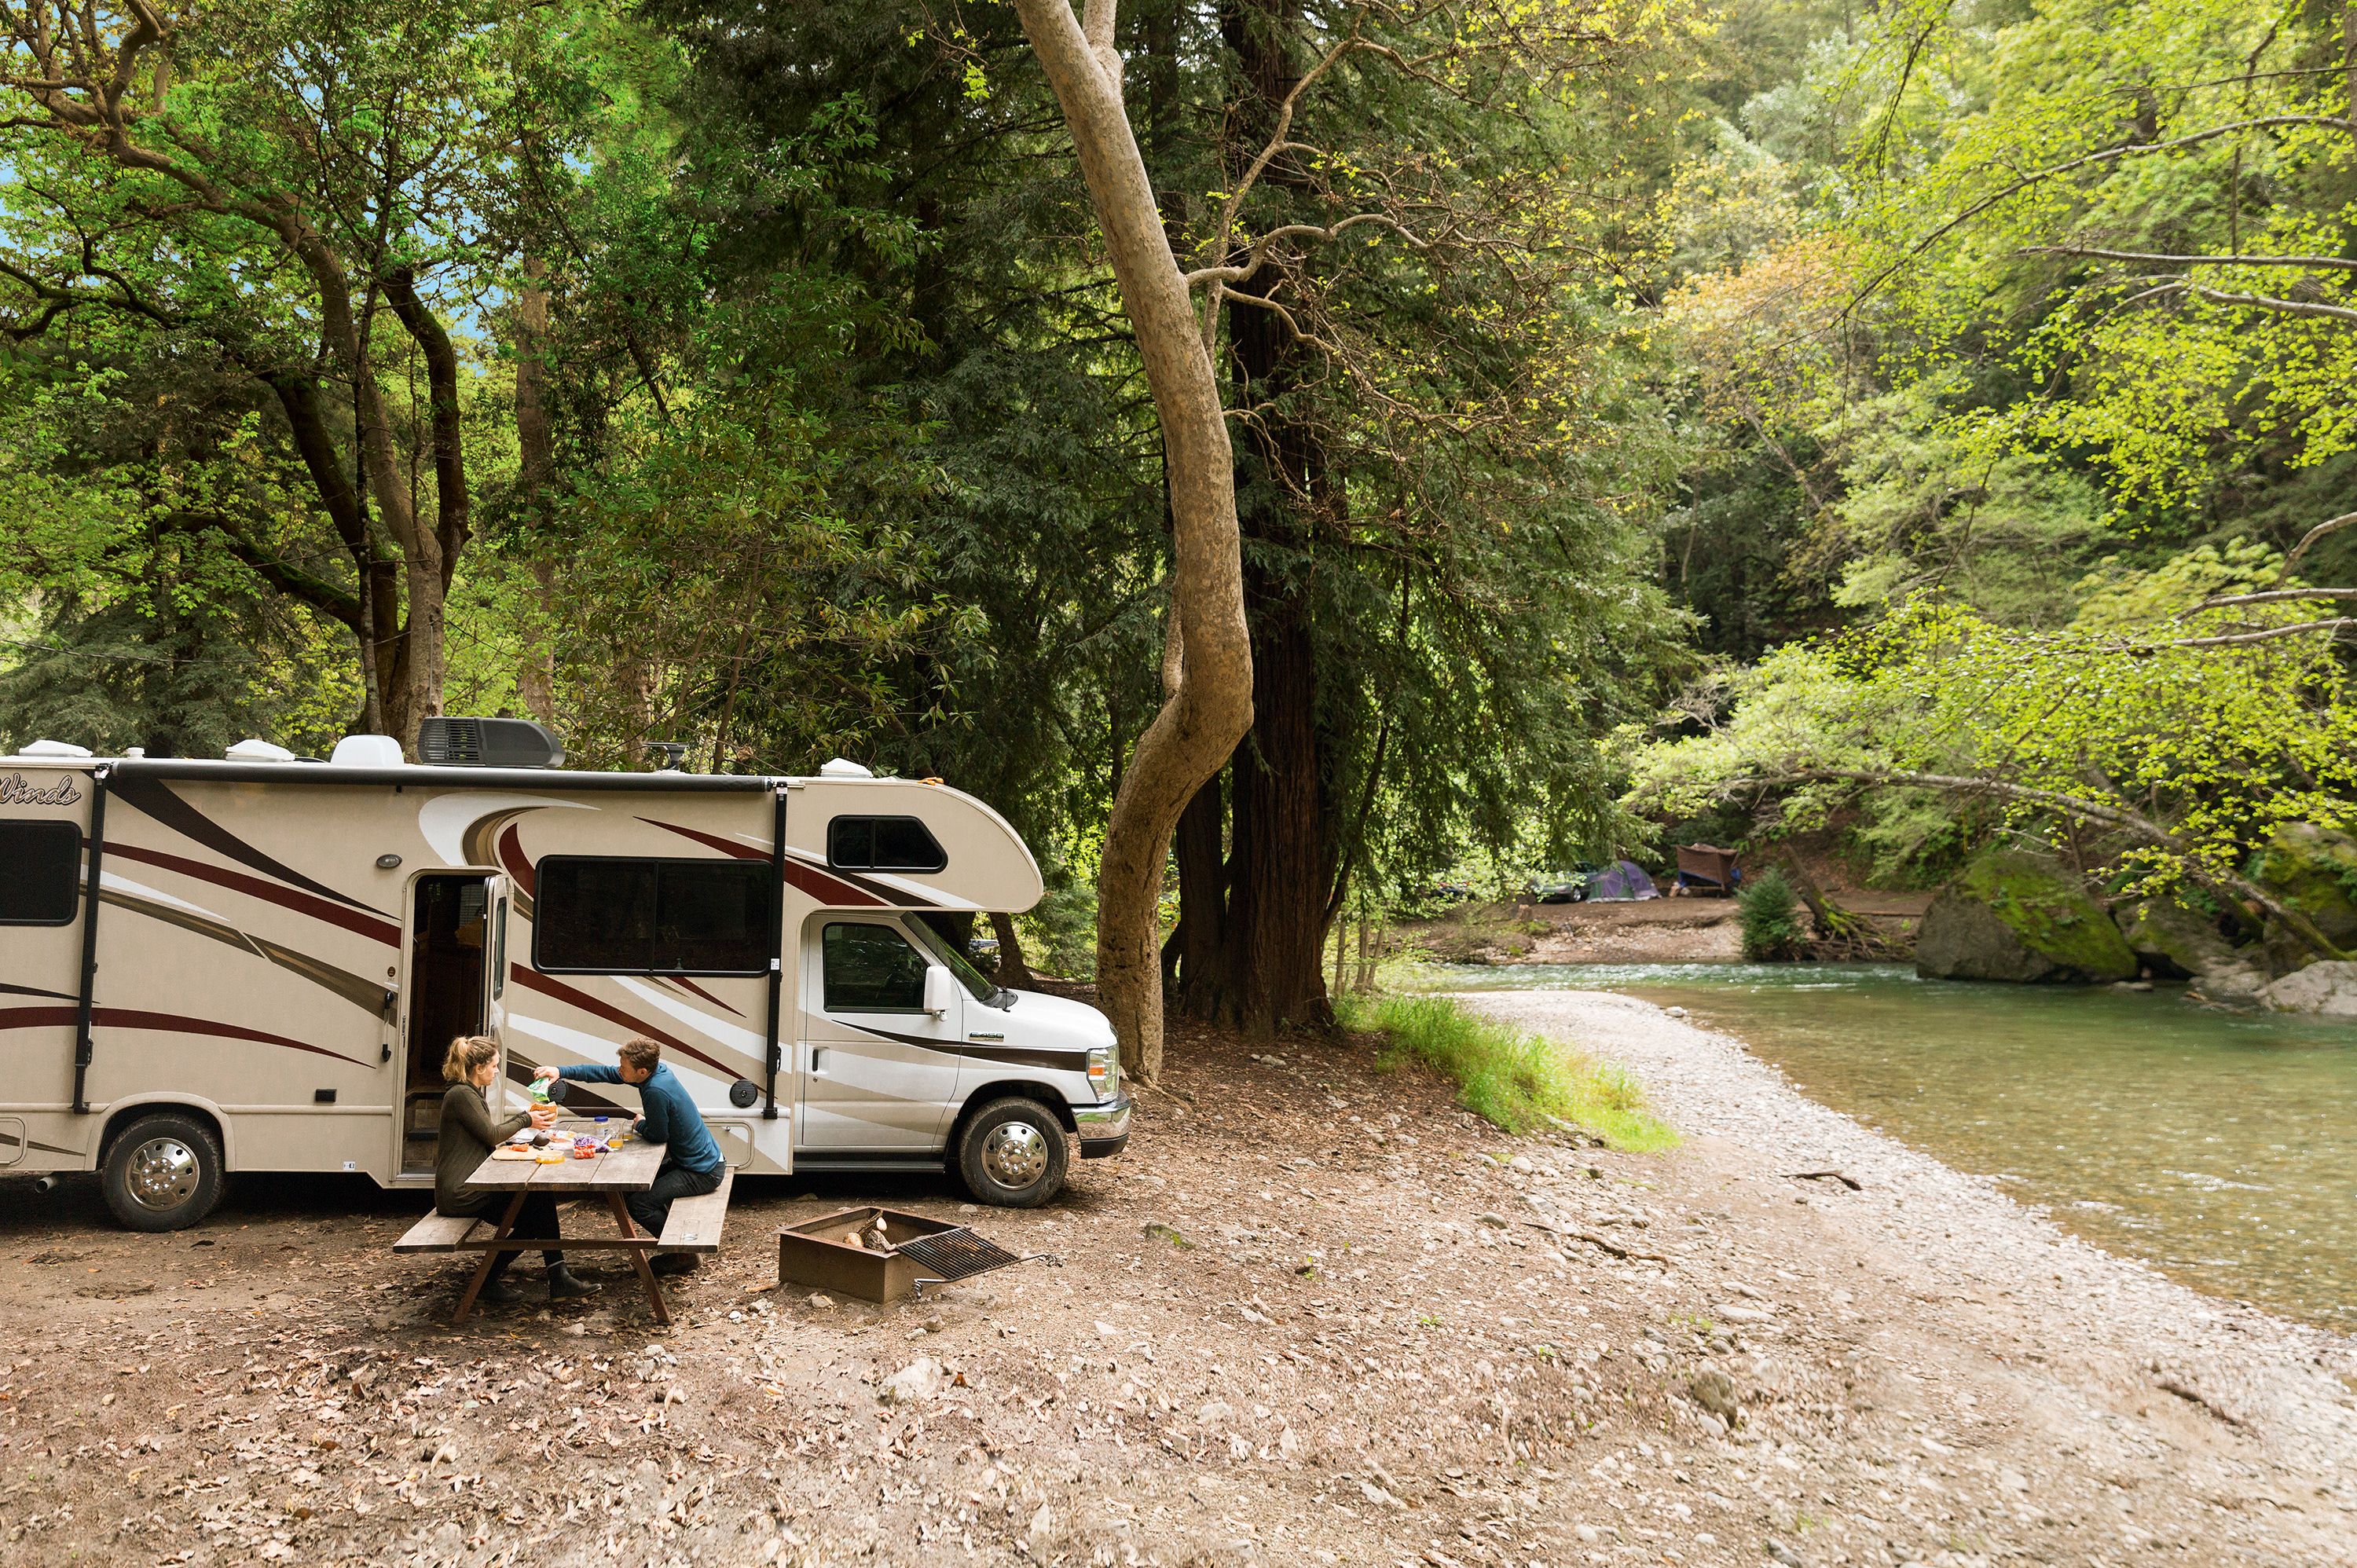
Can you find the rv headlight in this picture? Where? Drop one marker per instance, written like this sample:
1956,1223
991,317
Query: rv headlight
1104,1070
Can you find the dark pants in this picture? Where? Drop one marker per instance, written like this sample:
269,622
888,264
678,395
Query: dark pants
536,1217
651,1207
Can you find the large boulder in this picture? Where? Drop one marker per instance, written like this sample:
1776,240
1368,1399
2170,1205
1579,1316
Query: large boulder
2314,870
2024,918
2329,988
2174,939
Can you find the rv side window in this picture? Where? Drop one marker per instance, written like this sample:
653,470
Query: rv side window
882,843
872,969
597,915
42,859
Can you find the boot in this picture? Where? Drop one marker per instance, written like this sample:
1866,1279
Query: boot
502,1290
563,1284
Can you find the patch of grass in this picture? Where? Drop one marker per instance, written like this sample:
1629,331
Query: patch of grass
1508,1078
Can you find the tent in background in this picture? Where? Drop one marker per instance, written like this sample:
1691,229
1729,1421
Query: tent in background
1622,879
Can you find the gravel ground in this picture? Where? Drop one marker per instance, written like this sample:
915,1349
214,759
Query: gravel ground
2144,1416
1314,1315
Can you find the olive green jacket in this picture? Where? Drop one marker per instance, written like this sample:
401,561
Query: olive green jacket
468,1136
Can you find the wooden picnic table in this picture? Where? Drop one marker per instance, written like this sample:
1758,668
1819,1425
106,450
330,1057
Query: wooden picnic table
631,1168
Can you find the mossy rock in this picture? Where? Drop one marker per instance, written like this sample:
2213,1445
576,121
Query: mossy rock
2174,939
2024,918
2314,870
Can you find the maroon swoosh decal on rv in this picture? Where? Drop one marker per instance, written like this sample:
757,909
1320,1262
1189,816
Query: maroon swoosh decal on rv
352,919
547,985
511,858
687,985
167,1023
711,841
150,795
37,990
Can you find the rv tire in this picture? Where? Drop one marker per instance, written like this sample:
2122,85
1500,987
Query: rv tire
162,1173
1011,1153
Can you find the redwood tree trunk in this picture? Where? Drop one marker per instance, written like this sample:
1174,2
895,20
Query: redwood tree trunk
1201,941
1277,879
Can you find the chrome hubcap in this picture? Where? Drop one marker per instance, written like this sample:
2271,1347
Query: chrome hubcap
1015,1154
163,1174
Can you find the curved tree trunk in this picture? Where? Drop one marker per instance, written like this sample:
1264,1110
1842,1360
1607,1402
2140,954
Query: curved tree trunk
1208,672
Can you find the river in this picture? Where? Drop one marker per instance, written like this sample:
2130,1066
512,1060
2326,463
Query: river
2222,1147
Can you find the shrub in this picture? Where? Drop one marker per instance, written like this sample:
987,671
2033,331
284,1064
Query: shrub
1507,1077
1770,911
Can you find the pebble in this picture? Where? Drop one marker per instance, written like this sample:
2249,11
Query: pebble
918,1380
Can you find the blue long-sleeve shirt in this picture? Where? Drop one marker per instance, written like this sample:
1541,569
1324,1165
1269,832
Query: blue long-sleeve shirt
667,1115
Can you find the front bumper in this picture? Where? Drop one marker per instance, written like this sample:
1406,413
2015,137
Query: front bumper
1103,1129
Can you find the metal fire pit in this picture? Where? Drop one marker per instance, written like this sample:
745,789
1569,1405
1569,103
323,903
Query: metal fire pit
924,1252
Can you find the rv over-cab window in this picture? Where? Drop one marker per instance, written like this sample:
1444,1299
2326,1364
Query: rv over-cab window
603,915
39,887
882,843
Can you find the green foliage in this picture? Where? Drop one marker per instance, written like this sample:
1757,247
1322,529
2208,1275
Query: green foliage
1513,1081
1770,912
2132,717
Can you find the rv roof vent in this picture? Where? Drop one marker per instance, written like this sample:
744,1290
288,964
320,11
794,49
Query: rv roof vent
54,748
366,751
840,768
488,743
258,751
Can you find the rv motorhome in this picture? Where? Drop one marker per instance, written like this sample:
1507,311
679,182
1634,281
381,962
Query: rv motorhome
257,963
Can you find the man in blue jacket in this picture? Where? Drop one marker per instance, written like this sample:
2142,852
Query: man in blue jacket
667,1115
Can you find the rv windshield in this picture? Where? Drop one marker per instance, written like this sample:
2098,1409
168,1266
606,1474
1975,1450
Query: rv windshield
983,989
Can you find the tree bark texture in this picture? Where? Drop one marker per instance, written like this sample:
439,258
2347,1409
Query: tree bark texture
1208,702
1252,953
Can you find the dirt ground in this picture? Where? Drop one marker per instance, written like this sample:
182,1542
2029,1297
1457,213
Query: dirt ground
1313,1314
1645,931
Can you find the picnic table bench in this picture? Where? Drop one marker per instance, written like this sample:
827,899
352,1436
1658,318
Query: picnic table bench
694,1225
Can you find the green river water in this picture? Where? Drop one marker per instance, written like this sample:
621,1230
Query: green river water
2220,1147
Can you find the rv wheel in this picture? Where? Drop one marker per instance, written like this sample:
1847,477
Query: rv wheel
162,1173
1012,1153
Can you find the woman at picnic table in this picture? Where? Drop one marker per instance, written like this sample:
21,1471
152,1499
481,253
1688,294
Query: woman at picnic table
468,1136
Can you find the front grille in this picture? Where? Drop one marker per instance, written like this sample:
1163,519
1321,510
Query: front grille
955,1254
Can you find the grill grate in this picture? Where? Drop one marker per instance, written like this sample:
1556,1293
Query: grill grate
955,1254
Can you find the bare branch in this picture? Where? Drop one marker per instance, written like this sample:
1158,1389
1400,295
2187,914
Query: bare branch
2276,595
2268,302
2341,263
2330,526
1327,233
2264,634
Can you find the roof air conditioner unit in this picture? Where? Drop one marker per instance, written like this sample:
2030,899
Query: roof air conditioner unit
488,743
366,751
843,767
258,750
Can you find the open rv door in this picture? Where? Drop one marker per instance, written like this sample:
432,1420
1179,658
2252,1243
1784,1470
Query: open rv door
454,982
495,962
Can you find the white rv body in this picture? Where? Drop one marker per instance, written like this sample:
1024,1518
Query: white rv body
281,952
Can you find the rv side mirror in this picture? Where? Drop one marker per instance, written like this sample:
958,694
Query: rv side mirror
937,990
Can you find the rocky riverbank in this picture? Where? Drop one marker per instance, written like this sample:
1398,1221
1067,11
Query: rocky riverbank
1316,1314
2059,1403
